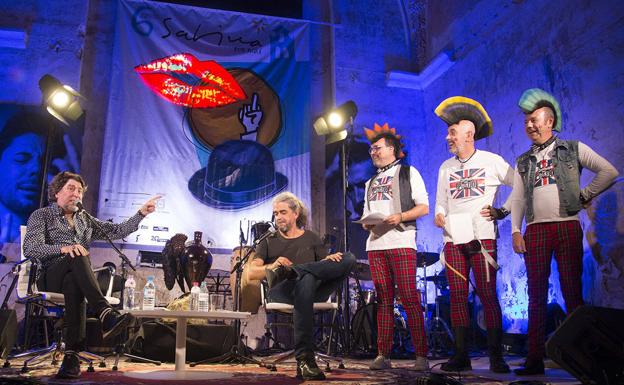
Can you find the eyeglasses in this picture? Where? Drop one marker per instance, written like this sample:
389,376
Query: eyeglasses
376,148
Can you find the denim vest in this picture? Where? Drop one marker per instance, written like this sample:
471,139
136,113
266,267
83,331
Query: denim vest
567,171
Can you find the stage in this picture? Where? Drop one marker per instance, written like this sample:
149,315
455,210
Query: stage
356,372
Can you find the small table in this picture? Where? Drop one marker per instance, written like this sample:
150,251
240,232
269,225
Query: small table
182,316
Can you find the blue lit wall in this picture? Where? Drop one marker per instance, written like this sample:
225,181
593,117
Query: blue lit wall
570,48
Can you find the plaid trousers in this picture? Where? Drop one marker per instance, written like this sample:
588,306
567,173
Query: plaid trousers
462,258
397,266
565,239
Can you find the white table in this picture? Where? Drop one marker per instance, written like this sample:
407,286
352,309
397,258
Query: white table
182,316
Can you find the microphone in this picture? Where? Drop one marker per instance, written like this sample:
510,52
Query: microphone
79,207
241,235
269,233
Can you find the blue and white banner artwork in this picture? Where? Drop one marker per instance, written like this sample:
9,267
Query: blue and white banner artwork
210,110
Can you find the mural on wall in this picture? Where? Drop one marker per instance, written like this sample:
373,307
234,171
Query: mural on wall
209,109
23,133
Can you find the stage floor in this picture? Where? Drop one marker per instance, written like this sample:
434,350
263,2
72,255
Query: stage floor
356,372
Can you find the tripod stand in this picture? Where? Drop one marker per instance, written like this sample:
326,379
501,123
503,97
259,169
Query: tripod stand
239,352
438,331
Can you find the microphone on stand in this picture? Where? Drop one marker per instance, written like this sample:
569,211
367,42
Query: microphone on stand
79,206
241,235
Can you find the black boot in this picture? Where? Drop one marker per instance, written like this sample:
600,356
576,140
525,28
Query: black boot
279,274
495,351
460,360
70,368
532,366
307,369
113,323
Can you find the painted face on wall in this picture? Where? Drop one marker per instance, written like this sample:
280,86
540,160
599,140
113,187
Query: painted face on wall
538,125
20,165
285,217
460,136
67,197
381,153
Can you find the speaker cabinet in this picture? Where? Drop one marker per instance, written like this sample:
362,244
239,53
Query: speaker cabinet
589,344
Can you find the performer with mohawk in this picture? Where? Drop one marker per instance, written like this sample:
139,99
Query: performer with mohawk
548,195
467,185
398,193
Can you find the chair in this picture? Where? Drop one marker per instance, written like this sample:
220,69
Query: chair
46,306
331,305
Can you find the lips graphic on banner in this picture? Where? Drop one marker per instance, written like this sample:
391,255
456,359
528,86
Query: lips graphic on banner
184,80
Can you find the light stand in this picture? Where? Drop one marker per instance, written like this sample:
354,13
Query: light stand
337,125
239,352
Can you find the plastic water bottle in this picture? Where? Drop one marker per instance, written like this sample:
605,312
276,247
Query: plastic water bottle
149,294
129,293
204,297
195,297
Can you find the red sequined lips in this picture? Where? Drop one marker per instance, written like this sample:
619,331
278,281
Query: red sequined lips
184,80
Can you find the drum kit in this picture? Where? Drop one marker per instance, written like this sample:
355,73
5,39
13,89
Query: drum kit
364,311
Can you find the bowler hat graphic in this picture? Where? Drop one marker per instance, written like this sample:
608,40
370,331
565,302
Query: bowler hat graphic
239,174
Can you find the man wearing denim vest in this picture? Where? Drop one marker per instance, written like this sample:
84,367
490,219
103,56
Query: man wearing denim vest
548,195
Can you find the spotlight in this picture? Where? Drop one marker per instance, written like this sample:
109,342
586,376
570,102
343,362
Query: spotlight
61,101
333,122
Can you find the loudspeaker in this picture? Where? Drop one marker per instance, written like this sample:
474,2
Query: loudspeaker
156,341
589,344
8,331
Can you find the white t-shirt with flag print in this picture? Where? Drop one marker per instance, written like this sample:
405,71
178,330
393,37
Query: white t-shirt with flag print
379,196
468,187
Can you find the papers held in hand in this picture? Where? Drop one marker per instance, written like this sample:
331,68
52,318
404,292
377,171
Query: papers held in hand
371,219
460,228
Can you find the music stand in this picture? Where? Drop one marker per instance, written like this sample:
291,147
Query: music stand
239,352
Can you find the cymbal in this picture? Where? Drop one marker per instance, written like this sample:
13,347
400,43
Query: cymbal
425,258
362,271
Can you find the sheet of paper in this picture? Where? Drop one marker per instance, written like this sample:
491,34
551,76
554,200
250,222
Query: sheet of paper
460,228
371,219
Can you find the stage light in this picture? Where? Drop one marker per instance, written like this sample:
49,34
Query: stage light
61,101
332,124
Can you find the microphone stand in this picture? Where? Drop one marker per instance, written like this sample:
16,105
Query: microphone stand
122,256
120,349
239,352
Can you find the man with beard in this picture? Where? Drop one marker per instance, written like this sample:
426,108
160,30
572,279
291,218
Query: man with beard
467,186
299,271
398,193
547,194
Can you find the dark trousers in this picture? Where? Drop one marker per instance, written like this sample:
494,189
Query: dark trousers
75,279
315,282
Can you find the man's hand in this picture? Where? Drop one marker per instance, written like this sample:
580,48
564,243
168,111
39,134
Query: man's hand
76,250
281,261
336,257
368,227
149,206
393,219
518,243
439,220
493,213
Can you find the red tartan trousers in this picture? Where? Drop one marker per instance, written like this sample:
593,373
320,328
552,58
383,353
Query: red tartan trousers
462,258
565,239
397,266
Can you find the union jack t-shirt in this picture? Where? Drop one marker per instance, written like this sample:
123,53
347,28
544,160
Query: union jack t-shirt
381,189
544,173
467,183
